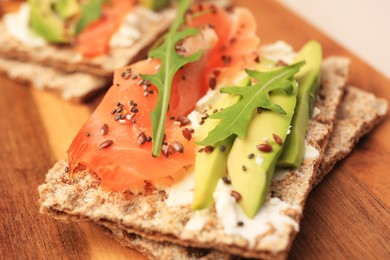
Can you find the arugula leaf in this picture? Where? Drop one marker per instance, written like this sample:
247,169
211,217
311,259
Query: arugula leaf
91,11
171,62
235,119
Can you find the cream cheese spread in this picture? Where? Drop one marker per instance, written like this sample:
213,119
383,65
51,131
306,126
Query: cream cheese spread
279,50
17,25
269,218
134,24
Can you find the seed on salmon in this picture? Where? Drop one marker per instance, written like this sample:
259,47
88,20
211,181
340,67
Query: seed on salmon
187,133
105,144
216,73
104,129
281,63
184,121
167,150
178,147
212,82
226,60
141,139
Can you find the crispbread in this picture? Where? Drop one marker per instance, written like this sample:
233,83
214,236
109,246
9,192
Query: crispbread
148,215
359,113
76,86
349,127
65,58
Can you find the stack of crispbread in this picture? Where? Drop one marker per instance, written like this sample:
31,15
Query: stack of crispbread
152,225
62,70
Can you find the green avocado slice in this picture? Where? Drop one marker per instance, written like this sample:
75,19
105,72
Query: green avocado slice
252,160
155,5
308,81
45,22
211,166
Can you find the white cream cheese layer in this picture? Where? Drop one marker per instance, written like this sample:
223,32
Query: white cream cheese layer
134,25
181,193
270,218
17,25
279,50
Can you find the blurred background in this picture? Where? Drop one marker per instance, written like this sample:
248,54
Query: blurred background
362,26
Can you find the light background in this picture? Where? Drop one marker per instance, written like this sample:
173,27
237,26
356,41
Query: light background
362,26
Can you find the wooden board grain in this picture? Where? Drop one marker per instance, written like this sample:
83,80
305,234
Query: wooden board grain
347,215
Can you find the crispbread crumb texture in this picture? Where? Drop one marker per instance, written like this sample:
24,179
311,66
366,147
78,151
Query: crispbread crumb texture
69,86
149,216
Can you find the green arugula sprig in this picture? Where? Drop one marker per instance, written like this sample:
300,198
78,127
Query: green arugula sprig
235,119
171,62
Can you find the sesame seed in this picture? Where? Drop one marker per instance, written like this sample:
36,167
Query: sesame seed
226,180
141,139
122,121
178,147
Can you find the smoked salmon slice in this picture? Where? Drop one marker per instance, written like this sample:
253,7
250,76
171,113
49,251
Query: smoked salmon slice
115,142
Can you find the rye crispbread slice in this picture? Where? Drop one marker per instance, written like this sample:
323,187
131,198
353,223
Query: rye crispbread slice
349,127
76,87
149,216
66,59
63,71
359,113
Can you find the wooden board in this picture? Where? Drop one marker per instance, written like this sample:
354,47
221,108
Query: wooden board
347,215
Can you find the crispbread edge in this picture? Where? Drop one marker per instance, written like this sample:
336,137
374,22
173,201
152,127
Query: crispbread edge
76,87
121,208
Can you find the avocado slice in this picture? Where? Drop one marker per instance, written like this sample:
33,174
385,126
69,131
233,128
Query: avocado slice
67,8
210,167
308,81
45,22
91,11
155,5
251,166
